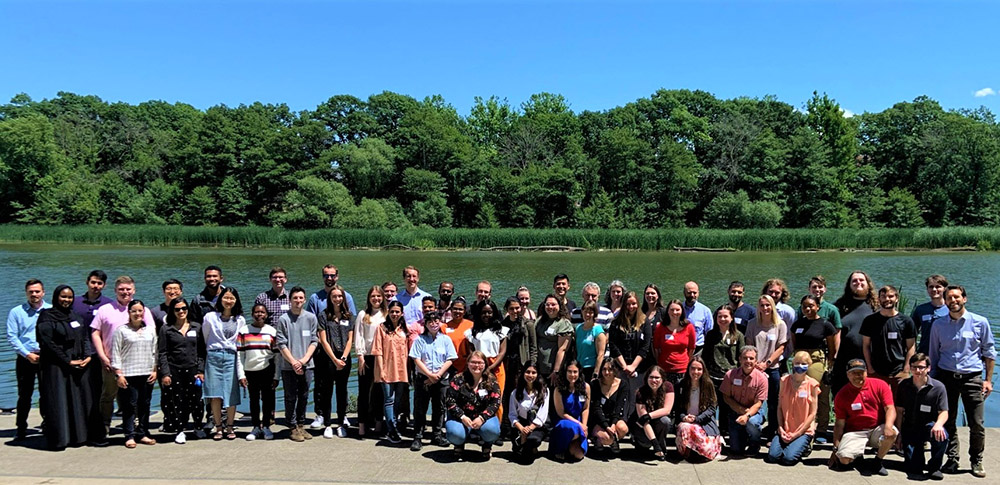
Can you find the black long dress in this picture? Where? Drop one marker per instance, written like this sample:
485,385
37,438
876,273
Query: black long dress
70,394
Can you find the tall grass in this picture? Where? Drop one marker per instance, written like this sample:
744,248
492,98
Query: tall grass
652,240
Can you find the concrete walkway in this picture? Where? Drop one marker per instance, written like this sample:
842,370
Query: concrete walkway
352,461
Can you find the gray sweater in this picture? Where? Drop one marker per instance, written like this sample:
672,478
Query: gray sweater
297,334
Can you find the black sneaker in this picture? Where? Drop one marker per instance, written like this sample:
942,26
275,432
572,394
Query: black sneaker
394,437
21,434
878,468
615,447
416,445
441,441
950,467
936,475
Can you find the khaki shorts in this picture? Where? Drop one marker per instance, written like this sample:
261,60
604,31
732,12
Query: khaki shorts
853,444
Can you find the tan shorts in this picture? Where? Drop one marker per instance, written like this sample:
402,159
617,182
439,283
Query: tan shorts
853,444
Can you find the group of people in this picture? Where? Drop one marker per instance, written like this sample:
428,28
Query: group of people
629,367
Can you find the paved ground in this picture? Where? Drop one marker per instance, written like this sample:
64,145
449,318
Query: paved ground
352,461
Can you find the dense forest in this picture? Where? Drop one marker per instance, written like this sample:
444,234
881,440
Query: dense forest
678,158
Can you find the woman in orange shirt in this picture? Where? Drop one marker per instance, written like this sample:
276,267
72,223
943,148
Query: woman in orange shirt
797,401
390,350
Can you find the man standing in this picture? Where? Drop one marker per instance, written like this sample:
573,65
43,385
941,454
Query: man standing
86,305
412,296
921,413
389,289
172,288
318,300
698,314
446,290
204,303
591,292
744,389
857,302
560,287
961,350
888,340
483,291
925,313
297,341
108,318
21,335
742,313
827,310
275,299
865,417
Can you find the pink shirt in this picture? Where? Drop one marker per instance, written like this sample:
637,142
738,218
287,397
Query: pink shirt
745,389
794,402
109,317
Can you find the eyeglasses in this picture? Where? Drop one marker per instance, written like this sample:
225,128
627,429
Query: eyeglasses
919,367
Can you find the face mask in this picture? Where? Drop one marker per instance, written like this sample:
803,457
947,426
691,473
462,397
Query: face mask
800,369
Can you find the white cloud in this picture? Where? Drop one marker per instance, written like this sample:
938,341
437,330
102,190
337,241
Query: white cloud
847,113
985,92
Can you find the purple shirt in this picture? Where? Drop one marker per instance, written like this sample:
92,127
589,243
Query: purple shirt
88,308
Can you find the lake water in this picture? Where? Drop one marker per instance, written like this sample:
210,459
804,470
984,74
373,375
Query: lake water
247,270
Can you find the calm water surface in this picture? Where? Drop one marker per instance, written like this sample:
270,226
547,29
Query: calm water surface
247,270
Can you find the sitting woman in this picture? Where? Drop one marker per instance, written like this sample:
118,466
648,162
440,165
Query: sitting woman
653,404
697,429
797,403
572,402
612,398
472,401
528,410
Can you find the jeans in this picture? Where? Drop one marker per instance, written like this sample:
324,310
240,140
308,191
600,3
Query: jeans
969,387
773,388
296,388
788,454
389,392
26,373
458,434
913,450
745,438
134,403
661,427
422,396
261,388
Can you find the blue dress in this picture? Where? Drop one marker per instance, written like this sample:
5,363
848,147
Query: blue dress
564,431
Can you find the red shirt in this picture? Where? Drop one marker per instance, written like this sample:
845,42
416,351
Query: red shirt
863,409
674,348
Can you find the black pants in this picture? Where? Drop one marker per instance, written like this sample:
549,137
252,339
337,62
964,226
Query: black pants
296,388
260,383
423,395
26,373
329,379
531,442
181,399
365,391
970,388
134,403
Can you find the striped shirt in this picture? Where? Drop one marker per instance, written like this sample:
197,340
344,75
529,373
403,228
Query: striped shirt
257,346
133,352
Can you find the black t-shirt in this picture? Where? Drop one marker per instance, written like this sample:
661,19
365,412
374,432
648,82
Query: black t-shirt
743,315
852,314
921,406
889,336
811,334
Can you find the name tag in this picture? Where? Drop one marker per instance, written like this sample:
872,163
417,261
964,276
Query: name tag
968,334
74,324
482,393
737,382
856,406
589,339
192,333
306,333
925,408
642,336
344,323
738,320
448,330
93,312
604,400
284,307
772,337
892,335
799,330
551,331
670,336
927,318
803,393
146,335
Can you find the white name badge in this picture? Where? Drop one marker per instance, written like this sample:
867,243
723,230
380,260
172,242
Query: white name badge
344,323
604,400
74,324
737,382
670,337
800,330
306,333
192,333
482,393
284,307
925,408
856,406
927,318
551,331
738,320
642,336
589,339
448,330
772,337
93,312
968,334
892,335
803,393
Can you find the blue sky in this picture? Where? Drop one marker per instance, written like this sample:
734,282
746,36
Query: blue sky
868,55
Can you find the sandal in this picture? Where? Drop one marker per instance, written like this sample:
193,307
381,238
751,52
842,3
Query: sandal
147,441
230,434
218,434
130,443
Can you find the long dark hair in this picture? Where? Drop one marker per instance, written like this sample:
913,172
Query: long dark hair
172,315
706,389
646,396
579,387
389,325
666,315
563,313
345,311
537,387
478,324
732,331
237,308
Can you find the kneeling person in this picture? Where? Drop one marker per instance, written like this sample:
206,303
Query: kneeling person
865,416
921,413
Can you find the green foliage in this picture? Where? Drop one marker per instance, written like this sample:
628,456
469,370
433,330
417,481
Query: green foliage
736,211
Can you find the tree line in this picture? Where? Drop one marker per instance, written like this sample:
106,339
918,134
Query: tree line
677,158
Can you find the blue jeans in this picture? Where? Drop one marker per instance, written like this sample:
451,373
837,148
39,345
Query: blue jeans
773,388
790,453
744,439
389,404
458,434
913,450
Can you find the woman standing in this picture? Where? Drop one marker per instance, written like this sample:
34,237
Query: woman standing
554,334
524,297
257,345
768,333
722,351
653,404
367,323
614,297
591,340
612,406
797,413
630,337
133,360
70,385
432,353
489,336
333,361
389,347
528,410
472,401
181,354
817,337
455,329
572,403
223,368
522,347
697,430
673,343
652,305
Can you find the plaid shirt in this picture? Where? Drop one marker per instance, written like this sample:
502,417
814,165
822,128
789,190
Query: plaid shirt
277,305
133,352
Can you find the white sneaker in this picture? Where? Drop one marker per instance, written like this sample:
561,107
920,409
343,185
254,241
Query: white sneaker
200,434
328,432
342,431
268,435
317,423
181,438
253,434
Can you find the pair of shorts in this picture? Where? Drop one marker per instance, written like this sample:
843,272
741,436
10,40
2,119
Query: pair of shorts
853,444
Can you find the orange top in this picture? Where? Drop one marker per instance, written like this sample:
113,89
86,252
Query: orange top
455,330
795,403
393,349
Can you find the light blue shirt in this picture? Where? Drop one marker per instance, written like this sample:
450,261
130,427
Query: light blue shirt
433,351
317,302
412,304
961,345
699,315
21,328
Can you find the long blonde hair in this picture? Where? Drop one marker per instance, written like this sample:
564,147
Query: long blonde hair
775,318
